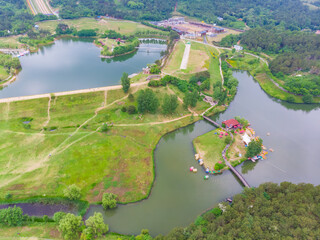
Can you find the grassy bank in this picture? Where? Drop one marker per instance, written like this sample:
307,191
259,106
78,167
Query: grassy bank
121,158
261,72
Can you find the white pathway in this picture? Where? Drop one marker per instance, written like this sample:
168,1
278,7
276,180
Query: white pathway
185,58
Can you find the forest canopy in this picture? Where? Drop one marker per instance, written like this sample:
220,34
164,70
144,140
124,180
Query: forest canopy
270,211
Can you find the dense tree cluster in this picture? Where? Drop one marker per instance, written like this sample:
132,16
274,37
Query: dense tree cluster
9,63
147,101
128,9
292,14
271,211
297,60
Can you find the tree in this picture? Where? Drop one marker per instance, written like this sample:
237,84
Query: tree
71,226
307,98
125,82
244,122
11,216
191,99
131,109
254,148
170,104
58,216
147,101
96,226
72,192
109,200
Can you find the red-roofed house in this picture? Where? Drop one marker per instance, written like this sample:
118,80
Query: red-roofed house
231,123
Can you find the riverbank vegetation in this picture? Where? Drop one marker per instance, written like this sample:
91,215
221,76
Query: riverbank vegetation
8,66
294,64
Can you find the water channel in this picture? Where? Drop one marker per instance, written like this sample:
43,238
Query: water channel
178,196
72,64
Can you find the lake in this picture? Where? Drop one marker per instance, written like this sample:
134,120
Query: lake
72,64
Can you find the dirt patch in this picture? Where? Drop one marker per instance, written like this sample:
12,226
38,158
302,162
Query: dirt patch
54,233
16,187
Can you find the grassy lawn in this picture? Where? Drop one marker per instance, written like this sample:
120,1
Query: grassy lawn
202,58
118,161
175,58
210,147
39,231
10,42
124,27
3,73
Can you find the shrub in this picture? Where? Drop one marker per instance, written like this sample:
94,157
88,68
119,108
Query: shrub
228,139
132,109
8,196
307,98
131,97
11,216
58,216
123,109
290,99
104,127
219,166
109,201
72,192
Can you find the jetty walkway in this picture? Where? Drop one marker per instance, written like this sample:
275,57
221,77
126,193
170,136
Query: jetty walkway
239,175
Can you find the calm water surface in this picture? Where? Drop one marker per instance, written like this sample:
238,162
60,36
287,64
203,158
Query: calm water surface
178,196
71,64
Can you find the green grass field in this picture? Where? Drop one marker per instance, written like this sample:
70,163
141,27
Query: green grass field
210,146
118,161
3,73
201,58
124,27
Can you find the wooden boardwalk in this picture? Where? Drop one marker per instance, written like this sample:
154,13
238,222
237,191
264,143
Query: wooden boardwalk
239,175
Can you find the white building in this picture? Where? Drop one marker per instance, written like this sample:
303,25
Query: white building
238,48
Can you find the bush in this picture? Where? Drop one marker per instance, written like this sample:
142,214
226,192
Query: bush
8,196
307,98
104,127
123,109
132,109
228,139
290,99
58,216
219,166
109,201
11,216
131,97
72,192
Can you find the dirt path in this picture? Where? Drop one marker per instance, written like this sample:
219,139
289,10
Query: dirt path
48,120
152,123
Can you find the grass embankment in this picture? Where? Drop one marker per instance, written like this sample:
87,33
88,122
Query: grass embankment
210,147
118,161
261,72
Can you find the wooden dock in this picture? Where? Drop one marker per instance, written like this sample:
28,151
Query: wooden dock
239,175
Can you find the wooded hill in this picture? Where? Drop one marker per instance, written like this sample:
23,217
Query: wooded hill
271,211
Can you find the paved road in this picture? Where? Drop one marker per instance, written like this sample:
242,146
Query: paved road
47,95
